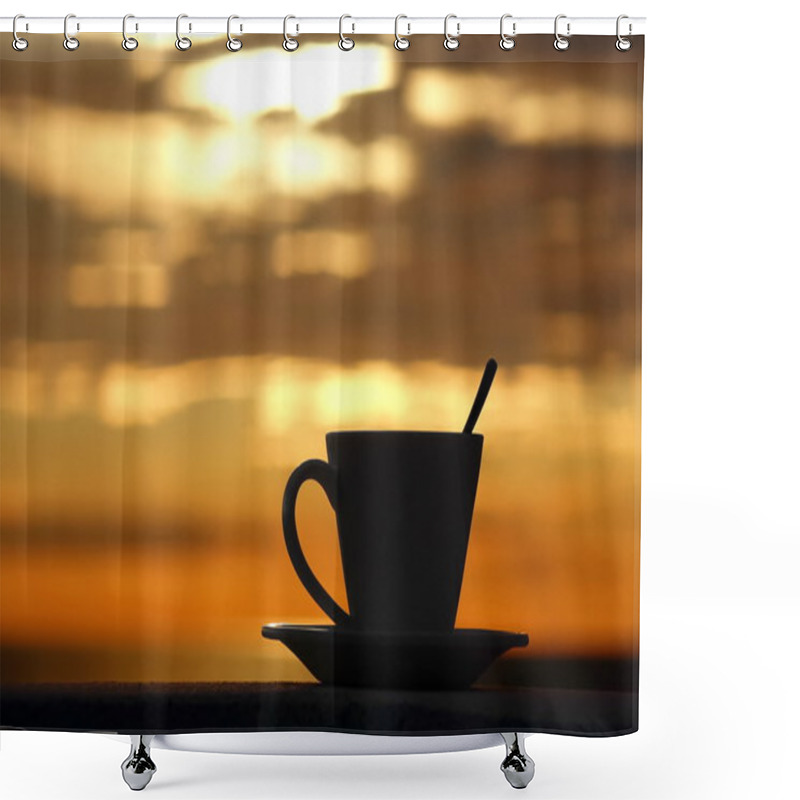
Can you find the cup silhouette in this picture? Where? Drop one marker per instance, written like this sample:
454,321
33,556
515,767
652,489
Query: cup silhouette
403,502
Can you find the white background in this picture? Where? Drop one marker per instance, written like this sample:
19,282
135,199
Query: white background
720,604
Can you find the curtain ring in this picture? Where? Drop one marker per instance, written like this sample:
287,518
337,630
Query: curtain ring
182,42
401,43
623,44
18,43
128,42
70,42
561,43
290,44
345,43
451,42
507,42
233,44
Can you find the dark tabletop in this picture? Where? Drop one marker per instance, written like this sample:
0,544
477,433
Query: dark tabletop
206,707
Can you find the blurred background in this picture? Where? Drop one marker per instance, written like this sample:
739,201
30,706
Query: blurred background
211,259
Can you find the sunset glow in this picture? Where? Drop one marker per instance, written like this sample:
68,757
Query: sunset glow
210,261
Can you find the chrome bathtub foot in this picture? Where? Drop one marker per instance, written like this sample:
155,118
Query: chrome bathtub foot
517,766
138,768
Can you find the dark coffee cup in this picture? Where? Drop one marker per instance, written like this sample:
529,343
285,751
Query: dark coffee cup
403,503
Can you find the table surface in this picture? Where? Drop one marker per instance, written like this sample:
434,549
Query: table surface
241,706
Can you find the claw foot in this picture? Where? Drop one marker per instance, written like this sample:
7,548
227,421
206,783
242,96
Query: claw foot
138,768
517,766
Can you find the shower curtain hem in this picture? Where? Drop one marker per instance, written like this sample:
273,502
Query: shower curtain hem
353,731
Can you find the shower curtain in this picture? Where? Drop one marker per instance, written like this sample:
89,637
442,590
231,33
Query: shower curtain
247,302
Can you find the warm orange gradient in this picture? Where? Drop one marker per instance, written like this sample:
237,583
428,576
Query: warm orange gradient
211,260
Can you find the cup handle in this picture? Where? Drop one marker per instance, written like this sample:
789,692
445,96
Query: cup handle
324,474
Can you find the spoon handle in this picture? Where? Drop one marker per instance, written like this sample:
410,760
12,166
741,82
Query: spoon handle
480,397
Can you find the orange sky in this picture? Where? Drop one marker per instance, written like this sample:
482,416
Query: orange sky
198,283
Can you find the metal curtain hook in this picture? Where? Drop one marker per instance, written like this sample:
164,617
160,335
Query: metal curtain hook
507,42
561,43
128,42
70,42
623,44
451,42
401,43
233,44
182,42
17,42
290,44
345,43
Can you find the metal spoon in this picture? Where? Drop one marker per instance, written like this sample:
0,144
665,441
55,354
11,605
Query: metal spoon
480,397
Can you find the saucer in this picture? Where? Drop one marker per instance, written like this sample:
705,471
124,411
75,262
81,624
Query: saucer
394,660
